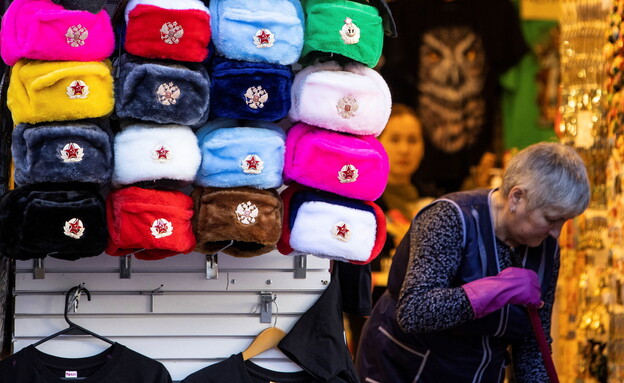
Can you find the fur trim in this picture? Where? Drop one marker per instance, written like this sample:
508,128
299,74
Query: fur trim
354,99
347,28
77,151
347,165
42,91
42,30
249,153
148,152
330,226
163,33
166,5
65,221
269,31
152,224
161,92
250,217
254,91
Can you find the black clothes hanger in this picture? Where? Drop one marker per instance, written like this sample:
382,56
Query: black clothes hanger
73,328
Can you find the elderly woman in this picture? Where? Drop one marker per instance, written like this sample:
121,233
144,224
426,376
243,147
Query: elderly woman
462,276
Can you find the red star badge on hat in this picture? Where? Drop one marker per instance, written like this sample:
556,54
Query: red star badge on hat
161,227
77,88
348,174
252,163
162,153
264,37
72,151
342,231
74,227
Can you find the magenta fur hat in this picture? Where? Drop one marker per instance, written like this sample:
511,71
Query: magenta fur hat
42,30
348,165
351,99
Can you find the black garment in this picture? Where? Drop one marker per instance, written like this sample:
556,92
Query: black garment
117,364
317,341
236,370
355,287
446,63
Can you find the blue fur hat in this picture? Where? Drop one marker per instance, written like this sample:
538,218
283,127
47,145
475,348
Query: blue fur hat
162,92
269,31
72,151
245,153
247,90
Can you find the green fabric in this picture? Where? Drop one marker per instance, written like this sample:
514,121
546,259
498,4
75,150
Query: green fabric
326,18
520,108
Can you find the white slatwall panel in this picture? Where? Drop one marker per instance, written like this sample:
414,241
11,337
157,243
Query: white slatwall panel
192,321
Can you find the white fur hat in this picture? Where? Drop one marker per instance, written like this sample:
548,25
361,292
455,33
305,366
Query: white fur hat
150,152
351,99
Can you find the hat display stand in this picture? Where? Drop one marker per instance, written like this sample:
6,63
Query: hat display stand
60,96
334,163
162,95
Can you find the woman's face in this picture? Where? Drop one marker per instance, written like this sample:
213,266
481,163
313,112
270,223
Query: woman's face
532,227
403,141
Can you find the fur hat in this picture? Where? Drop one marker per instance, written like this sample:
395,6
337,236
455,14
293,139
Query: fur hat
65,221
252,218
41,91
168,29
42,30
163,92
354,99
330,226
152,224
246,153
269,31
76,151
344,164
151,152
353,29
246,90
93,6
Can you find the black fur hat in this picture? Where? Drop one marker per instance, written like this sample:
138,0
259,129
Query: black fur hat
93,6
65,221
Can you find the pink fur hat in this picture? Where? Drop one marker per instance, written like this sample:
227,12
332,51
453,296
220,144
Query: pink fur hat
42,30
351,99
347,165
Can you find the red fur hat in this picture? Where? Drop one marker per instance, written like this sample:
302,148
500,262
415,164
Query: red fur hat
152,224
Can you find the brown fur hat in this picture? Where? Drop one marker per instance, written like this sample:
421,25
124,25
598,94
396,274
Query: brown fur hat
252,218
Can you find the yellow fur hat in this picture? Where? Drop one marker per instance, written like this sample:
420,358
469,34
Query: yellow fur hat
41,91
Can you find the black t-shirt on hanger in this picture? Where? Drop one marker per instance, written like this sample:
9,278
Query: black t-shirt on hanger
117,364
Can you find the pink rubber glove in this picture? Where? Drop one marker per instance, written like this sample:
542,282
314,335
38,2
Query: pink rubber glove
512,285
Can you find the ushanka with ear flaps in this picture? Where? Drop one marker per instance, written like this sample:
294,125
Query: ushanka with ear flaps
249,218
269,31
168,29
241,153
350,99
331,226
344,164
65,221
152,224
150,152
43,91
73,151
42,30
353,29
248,90
162,91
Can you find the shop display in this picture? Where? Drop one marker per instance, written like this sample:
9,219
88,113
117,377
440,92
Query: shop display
265,31
68,151
241,153
65,221
242,221
149,223
173,30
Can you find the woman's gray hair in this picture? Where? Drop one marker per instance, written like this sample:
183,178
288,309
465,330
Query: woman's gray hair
553,176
